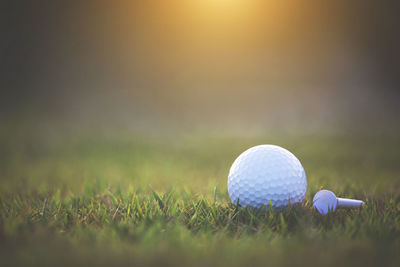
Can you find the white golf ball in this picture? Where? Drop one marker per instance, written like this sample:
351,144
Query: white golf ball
266,174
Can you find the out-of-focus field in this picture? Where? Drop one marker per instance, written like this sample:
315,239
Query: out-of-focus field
126,199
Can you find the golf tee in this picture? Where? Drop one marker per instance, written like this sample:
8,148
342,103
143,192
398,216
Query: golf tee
349,203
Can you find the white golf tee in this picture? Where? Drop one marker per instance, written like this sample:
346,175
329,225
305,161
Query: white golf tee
349,203
325,201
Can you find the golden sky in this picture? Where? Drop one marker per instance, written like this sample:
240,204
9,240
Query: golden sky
204,61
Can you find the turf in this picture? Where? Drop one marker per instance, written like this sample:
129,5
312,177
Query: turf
161,200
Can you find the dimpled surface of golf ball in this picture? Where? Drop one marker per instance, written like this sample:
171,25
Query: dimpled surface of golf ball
264,175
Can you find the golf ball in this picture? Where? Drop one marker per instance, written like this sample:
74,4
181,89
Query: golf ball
264,175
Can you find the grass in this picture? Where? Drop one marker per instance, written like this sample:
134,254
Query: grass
162,200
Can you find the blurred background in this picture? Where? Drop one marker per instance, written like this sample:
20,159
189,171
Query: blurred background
237,66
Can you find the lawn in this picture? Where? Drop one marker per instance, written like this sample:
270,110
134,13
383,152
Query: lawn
126,199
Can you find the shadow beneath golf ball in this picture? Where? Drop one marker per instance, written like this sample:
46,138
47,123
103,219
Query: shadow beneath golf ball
264,209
